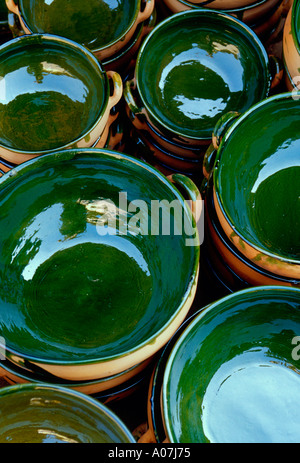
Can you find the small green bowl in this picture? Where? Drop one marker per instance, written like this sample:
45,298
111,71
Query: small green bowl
187,81
103,26
93,287
233,375
256,181
54,94
43,414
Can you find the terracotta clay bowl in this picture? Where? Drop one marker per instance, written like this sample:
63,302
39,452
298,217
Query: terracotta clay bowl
101,292
104,27
40,413
183,91
233,375
259,210
55,103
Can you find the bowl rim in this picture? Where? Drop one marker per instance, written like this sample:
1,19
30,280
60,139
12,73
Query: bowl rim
207,13
295,16
73,394
107,45
264,103
255,4
268,289
72,154
89,57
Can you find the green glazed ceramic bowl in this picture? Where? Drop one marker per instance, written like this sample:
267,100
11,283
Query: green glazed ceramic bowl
37,413
54,95
91,292
256,182
233,375
103,26
187,81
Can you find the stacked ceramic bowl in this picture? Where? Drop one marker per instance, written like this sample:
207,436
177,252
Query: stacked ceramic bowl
291,47
54,94
252,199
112,31
183,83
231,373
88,295
263,16
46,414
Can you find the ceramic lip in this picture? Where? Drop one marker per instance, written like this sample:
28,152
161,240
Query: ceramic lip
76,395
270,289
89,57
295,15
233,127
256,42
64,155
109,44
237,10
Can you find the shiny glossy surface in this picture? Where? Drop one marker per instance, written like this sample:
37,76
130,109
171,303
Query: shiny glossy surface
77,291
188,80
43,414
295,23
233,376
261,153
52,93
93,23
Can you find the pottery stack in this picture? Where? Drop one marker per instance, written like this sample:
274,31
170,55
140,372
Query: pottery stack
183,83
263,16
125,126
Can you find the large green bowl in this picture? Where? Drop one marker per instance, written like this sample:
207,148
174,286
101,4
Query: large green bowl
233,375
257,184
43,414
93,282
54,94
187,80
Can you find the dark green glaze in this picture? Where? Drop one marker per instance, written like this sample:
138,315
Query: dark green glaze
3,11
257,177
295,24
43,414
52,94
74,295
93,23
231,376
187,81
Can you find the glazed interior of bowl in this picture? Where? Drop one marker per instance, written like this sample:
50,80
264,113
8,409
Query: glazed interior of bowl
79,276
44,414
52,92
95,24
295,23
233,376
188,80
257,177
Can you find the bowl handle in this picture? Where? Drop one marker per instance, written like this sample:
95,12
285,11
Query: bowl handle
134,112
117,88
277,71
192,191
222,126
147,11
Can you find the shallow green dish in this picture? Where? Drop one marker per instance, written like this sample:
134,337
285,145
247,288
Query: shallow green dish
233,375
295,24
54,94
257,184
187,81
39,413
92,300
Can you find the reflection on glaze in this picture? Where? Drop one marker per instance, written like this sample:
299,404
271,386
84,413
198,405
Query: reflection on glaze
70,291
49,95
95,23
209,68
249,400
